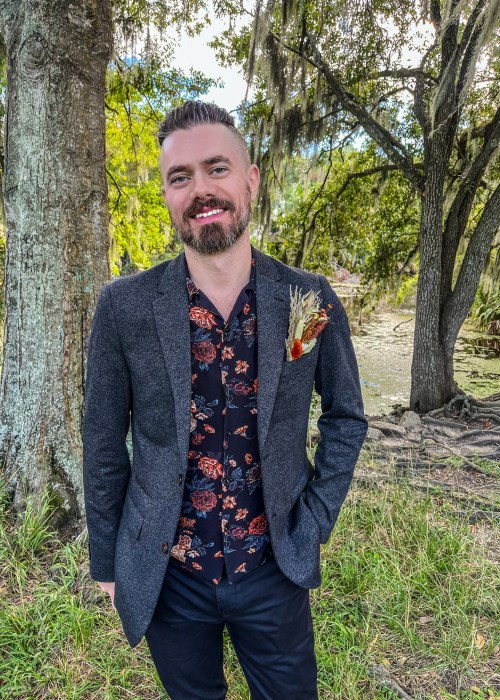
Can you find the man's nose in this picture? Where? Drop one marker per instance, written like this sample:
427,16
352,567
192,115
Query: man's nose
202,187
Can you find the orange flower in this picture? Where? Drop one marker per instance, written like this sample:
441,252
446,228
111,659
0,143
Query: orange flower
210,467
229,502
241,366
185,542
241,514
203,500
204,351
187,522
248,458
202,317
227,352
258,525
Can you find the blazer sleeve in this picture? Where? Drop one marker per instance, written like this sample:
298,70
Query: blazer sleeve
342,424
106,462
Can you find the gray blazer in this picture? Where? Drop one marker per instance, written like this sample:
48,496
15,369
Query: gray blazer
139,373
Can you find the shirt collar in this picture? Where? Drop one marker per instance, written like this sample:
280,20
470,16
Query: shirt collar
193,289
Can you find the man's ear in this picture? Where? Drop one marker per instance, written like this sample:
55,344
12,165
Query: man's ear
253,179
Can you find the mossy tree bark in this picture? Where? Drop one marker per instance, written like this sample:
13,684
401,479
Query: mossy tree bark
56,216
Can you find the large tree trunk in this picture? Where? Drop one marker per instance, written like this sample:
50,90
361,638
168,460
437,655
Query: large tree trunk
432,382
57,236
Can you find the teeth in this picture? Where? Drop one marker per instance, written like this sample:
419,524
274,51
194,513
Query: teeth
208,213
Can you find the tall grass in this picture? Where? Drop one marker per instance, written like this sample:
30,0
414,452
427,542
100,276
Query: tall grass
406,587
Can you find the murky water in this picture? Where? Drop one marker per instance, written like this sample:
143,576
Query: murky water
384,349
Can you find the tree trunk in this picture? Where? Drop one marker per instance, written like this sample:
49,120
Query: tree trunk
432,382
57,217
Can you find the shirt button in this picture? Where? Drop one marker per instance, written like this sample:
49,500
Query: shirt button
164,547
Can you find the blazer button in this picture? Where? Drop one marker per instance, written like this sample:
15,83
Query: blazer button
164,547
180,479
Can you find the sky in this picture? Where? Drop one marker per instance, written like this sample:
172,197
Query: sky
195,53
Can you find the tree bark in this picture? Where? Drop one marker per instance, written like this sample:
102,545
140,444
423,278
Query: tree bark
56,214
432,366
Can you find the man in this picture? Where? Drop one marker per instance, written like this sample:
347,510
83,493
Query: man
213,356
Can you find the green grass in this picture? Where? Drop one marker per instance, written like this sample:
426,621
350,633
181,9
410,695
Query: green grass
406,586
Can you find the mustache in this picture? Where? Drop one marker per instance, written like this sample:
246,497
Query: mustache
213,203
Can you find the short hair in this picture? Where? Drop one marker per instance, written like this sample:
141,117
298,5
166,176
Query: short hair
195,112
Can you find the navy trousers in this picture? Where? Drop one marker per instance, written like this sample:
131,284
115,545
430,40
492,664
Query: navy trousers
269,622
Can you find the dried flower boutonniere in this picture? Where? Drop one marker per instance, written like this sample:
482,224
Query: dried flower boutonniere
307,320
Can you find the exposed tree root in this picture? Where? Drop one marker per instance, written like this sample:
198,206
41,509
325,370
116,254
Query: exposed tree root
466,427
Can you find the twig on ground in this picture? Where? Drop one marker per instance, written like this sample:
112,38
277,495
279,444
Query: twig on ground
401,323
457,453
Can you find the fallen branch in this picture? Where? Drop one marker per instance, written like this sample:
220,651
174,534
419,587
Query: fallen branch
401,323
457,453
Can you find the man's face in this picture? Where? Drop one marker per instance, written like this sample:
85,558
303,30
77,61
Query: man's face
208,186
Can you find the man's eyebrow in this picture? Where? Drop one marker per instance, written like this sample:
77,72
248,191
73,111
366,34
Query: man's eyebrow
216,159
186,168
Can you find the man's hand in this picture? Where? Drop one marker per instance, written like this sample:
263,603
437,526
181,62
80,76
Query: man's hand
109,588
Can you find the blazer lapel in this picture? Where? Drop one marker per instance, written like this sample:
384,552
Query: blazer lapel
273,309
171,311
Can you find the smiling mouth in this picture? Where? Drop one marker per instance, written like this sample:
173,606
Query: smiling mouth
212,214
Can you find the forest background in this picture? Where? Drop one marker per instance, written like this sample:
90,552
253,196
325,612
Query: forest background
376,127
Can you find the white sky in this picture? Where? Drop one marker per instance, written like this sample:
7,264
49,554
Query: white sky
195,53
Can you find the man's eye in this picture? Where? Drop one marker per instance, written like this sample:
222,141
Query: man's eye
219,169
177,180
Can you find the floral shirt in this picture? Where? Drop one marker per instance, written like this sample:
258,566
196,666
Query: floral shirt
222,521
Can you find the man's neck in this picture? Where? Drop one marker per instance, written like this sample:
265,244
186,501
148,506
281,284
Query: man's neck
226,272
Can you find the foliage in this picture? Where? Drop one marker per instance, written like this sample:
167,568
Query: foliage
331,214
486,308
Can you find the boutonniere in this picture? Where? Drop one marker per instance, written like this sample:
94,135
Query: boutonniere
306,322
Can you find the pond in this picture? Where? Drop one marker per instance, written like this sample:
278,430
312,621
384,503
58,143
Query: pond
384,349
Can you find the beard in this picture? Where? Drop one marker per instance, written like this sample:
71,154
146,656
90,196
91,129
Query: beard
214,237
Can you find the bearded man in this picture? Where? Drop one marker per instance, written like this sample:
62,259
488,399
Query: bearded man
218,518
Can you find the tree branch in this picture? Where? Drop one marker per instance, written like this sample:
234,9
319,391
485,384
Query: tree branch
469,135
467,46
460,301
393,148
449,38
459,212
418,97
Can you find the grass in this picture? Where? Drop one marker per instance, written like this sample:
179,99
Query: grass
406,586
